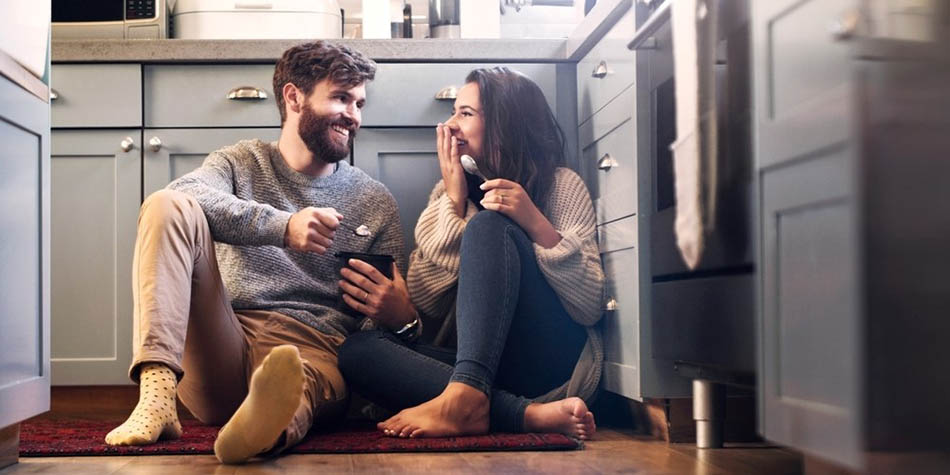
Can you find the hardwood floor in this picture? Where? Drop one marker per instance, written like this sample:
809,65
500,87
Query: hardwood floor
615,449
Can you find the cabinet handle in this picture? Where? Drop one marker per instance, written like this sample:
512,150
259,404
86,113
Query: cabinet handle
607,162
611,305
447,93
845,26
247,93
127,144
601,71
53,95
155,144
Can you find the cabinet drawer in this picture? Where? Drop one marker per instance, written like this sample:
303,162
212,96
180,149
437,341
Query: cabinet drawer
404,94
618,235
612,156
596,88
197,96
622,368
96,95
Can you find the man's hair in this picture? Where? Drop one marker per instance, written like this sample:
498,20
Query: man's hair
307,64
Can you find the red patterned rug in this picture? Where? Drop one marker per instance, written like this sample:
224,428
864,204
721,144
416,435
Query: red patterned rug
49,438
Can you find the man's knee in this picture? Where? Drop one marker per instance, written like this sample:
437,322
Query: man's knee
165,205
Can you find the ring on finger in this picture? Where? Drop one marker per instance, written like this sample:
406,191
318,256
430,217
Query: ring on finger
365,295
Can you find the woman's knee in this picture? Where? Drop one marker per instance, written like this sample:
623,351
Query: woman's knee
489,226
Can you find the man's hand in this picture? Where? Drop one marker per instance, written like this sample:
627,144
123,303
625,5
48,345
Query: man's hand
312,229
369,292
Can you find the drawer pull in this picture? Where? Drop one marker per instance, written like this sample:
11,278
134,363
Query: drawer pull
155,144
611,305
601,71
845,26
607,162
53,95
247,93
127,144
447,93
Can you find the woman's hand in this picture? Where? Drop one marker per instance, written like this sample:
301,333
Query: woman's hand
371,293
452,173
510,199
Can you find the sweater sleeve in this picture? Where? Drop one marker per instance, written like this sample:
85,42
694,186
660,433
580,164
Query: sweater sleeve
434,264
573,266
231,219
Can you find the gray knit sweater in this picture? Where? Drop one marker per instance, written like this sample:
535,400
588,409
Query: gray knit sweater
572,267
248,193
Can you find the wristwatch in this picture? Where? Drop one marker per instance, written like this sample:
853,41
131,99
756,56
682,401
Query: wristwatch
411,331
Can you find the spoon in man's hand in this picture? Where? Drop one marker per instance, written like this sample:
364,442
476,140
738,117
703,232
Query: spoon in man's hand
468,163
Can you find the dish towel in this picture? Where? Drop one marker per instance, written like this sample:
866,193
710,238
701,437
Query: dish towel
694,151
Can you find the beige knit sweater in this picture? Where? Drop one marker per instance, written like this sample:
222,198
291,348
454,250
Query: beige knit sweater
572,268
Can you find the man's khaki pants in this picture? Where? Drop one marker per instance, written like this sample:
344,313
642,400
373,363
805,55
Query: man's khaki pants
184,320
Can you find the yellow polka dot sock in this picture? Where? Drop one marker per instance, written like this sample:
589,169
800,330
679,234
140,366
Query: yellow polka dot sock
156,415
273,396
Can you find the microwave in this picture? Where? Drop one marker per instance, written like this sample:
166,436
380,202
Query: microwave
116,19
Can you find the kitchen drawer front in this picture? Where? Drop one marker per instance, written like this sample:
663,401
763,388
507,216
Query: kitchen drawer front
622,368
197,96
403,94
612,156
594,92
618,235
96,95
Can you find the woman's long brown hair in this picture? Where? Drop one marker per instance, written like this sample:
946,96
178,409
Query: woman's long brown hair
523,142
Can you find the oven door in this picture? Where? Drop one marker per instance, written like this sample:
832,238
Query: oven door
703,316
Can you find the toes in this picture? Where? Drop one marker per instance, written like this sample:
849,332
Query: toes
418,432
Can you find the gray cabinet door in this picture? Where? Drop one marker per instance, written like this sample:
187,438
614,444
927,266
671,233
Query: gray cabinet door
406,161
24,254
96,191
809,328
170,153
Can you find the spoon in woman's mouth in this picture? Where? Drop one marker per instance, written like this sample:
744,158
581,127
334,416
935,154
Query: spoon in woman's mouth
468,163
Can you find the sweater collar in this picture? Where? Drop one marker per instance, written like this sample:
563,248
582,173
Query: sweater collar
283,169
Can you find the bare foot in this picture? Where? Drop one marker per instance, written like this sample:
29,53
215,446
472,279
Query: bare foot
459,410
567,416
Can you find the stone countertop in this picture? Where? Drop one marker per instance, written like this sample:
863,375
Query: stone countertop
598,21
268,51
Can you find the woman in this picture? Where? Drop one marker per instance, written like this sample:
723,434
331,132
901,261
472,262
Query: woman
523,275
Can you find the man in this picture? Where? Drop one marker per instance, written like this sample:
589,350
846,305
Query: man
253,343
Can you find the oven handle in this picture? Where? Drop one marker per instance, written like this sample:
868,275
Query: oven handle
646,31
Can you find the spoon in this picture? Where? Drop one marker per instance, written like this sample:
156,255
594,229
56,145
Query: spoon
468,164
361,230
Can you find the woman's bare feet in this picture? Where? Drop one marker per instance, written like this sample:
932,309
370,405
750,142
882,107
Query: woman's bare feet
459,410
567,416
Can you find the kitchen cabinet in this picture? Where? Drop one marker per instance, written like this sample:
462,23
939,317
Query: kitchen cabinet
614,104
851,166
96,114
171,153
96,177
406,161
24,252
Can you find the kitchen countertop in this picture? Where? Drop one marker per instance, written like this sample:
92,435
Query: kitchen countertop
604,14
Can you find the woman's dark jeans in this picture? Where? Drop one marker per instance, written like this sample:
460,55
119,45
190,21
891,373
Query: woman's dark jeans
515,339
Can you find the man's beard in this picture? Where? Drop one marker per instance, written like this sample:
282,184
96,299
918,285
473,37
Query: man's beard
315,132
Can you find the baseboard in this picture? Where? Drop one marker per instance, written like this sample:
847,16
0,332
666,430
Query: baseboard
9,445
97,402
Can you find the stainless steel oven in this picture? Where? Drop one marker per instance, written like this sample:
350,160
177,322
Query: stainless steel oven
703,319
119,19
